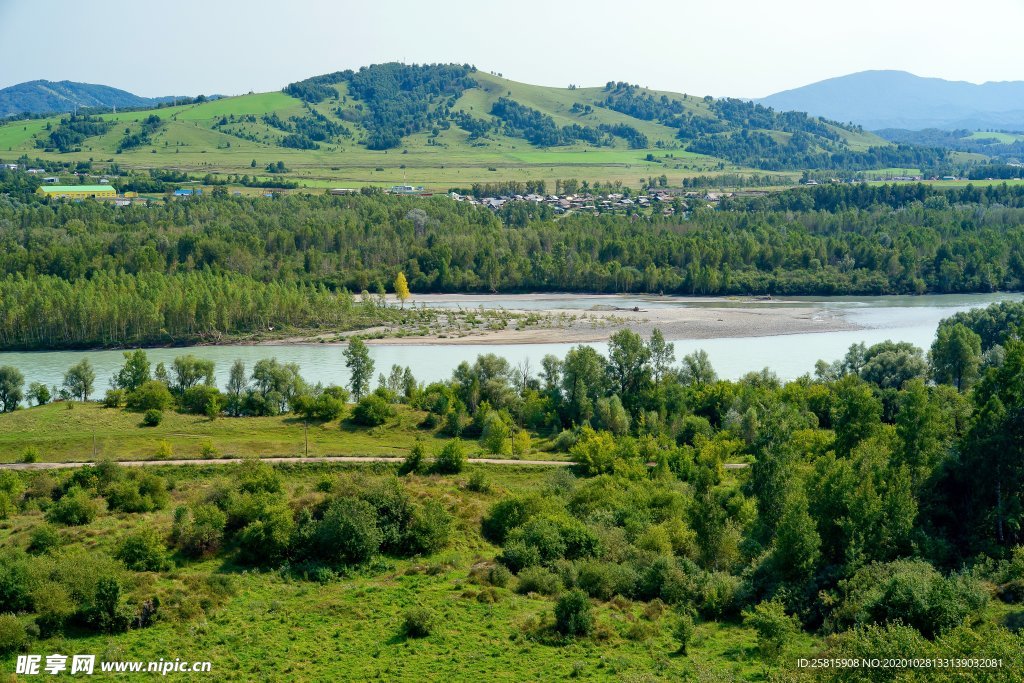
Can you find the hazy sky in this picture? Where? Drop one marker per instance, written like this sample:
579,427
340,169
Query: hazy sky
744,48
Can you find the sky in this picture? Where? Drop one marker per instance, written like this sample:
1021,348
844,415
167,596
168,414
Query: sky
743,48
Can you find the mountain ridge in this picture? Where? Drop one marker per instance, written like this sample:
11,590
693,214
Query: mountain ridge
878,99
42,97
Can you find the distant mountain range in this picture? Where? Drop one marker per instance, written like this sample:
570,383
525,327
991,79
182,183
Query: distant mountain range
897,99
54,97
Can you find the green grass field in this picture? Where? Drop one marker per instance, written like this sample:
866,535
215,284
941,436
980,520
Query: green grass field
1005,138
86,431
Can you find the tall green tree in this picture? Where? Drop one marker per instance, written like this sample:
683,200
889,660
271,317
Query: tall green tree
956,356
80,379
856,413
135,371
360,367
11,388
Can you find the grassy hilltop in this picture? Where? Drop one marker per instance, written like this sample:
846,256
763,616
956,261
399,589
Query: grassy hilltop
226,135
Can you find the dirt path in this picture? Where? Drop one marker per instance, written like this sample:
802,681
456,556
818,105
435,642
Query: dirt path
297,459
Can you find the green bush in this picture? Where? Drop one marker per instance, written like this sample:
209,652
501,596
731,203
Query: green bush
478,482
114,398
266,540
373,410
498,575
12,634
202,400
348,533
451,459
152,418
138,492
416,460
54,607
517,556
329,405
775,629
509,513
908,591
76,507
538,580
30,454
143,551
429,529
541,535
151,395
418,623
603,580
683,631
199,530
42,539
573,614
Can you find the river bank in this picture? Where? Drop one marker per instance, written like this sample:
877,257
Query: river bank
547,319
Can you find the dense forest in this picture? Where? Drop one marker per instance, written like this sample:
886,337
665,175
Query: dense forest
834,239
882,506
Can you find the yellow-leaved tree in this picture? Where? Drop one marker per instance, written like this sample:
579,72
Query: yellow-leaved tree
401,288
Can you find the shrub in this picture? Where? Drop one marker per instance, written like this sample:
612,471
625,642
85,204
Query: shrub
498,575
140,492
908,591
30,454
265,540
509,513
198,531
109,612
208,450
429,528
329,405
478,482
573,614
517,556
152,417
76,507
683,631
602,580
541,535
42,539
775,629
496,434
538,580
418,623
143,551
348,533
415,462
54,606
12,634
373,410
164,449
451,459
114,398
151,395
202,400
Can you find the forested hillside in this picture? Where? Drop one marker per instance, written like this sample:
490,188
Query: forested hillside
223,265
450,123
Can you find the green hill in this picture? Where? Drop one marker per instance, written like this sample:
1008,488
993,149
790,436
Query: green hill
451,126
45,97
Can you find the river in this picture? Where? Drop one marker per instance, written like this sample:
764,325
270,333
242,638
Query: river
900,318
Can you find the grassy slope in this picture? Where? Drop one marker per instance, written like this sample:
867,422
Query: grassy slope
278,629
189,142
62,434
